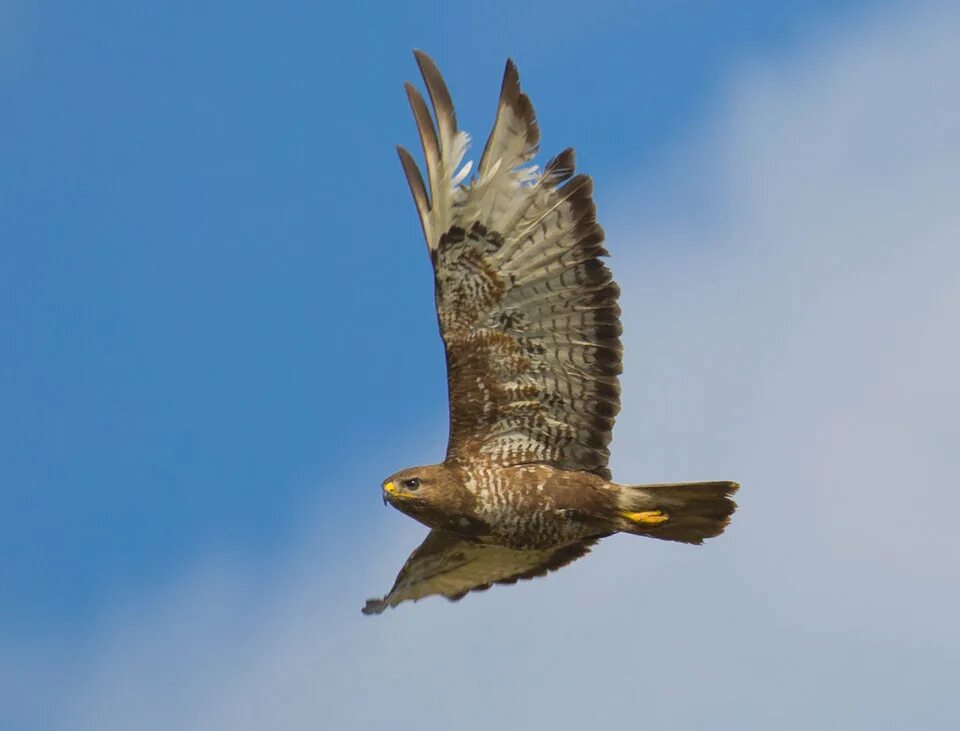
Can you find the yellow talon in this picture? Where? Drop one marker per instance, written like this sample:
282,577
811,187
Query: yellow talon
647,517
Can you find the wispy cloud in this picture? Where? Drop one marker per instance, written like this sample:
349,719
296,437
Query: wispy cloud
793,328
799,334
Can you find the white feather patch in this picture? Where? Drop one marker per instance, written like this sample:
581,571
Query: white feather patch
464,172
454,156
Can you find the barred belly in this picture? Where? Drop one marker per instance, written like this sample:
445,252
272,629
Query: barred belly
537,506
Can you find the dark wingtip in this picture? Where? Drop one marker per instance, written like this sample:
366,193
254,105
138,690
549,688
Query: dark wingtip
439,93
510,88
374,606
428,67
562,167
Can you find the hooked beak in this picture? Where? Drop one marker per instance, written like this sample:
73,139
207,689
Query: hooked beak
389,490
393,494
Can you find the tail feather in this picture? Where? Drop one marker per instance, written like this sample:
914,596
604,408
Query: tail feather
689,512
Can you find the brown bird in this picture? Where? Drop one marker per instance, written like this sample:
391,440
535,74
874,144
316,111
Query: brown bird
529,317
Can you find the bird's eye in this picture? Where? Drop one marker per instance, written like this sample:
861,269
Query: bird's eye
412,484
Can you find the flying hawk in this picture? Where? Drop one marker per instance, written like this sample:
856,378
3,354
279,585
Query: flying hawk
529,317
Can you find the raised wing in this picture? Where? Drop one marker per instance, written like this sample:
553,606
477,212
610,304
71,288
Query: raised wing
450,566
528,311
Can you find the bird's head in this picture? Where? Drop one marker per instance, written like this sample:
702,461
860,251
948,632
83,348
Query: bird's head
421,492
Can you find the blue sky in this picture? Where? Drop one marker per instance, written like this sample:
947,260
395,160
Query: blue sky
219,334
213,287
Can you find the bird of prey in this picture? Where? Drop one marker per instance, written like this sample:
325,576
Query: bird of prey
529,319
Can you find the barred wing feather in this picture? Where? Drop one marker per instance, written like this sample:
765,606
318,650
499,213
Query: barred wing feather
527,309
448,565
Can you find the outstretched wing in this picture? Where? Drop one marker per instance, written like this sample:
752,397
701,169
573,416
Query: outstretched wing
448,565
528,311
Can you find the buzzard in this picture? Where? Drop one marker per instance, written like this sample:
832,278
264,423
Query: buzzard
529,319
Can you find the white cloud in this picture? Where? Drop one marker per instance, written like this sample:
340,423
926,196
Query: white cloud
805,330
797,332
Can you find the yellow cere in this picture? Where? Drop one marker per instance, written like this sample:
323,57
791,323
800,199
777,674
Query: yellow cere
647,517
391,488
